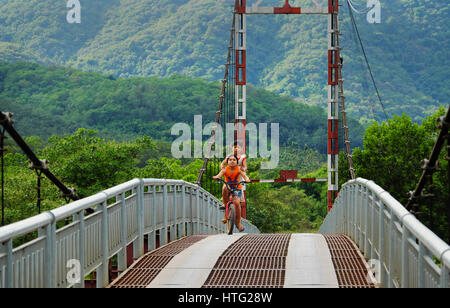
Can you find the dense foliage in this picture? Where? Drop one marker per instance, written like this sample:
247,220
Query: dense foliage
56,100
81,160
190,37
91,164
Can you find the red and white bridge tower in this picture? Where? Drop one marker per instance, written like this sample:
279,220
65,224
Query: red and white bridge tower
241,11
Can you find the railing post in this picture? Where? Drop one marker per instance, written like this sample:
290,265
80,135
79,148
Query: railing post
337,203
203,214
341,213
349,211
7,249
345,212
339,221
80,218
217,218
420,270
355,213
190,223
391,249
183,209
208,205
173,229
381,241
135,191
360,219
122,255
404,256
444,276
372,231
140,219
214,217
198,210
352,212
102,270
147,208
163,232
366,237
50,253
152,236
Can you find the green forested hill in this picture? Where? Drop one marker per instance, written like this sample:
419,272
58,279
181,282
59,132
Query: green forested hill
57,100
408,51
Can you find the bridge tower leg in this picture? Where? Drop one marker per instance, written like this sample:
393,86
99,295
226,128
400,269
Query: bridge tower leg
333,106
240,77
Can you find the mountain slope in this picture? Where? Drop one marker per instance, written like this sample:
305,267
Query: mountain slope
286,54
57,100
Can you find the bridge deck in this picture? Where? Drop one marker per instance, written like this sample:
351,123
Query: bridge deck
250,260
309,263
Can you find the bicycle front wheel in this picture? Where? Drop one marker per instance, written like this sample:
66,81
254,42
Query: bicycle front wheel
231,219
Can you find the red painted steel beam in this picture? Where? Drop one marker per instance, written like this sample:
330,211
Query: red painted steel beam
287,9
289,180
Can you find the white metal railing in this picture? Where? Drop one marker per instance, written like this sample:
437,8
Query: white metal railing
123,215
409,254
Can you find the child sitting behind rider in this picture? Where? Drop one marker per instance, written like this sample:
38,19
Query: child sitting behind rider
236,150
232,174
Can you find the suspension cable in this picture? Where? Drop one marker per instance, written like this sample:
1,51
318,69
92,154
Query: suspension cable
365,80
357,11
38,188
344,114
222,108
36,163
367,61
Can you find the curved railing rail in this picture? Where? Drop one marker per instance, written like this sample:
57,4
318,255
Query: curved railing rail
123,215
407,252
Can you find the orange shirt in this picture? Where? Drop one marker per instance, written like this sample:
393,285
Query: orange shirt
232,177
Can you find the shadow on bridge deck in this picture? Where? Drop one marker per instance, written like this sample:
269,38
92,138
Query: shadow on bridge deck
250,261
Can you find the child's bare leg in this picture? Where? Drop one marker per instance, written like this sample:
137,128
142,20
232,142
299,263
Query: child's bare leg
225,194
237,206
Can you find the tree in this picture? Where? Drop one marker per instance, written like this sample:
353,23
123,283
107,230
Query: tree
92,164
284,209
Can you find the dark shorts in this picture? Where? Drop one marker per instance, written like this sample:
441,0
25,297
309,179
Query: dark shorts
237,193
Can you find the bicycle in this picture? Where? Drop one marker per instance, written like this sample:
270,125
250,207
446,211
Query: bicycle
230,211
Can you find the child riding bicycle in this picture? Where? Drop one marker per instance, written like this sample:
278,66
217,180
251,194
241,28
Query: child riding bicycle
232,173
241,162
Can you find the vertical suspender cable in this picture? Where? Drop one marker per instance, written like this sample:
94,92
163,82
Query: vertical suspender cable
38,188
344,114
200,181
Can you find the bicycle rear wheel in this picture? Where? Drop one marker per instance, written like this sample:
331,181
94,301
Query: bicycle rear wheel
231,219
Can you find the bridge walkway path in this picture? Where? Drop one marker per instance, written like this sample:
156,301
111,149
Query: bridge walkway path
250,261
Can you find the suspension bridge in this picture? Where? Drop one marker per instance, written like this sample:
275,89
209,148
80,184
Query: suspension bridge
153,233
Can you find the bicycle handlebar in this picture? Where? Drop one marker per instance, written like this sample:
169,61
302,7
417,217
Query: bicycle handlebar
229,188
